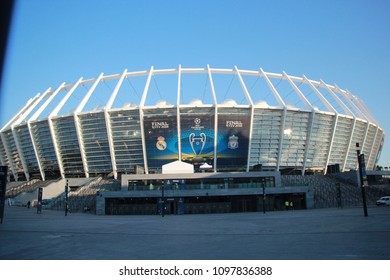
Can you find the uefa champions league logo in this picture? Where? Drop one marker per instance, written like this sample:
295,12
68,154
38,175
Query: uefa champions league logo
197,142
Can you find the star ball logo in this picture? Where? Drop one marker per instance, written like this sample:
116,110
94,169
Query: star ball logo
197,124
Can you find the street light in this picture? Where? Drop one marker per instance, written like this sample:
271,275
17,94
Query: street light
263,186
66,198
363,177
162,201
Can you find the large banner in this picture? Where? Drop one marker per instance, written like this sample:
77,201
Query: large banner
233,139
161,140
197,138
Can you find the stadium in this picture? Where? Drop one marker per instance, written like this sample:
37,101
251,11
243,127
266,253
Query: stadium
231,132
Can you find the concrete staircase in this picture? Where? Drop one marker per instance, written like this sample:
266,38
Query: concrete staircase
330,191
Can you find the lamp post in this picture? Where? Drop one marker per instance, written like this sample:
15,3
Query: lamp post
263,186
362,176
66,198
162,201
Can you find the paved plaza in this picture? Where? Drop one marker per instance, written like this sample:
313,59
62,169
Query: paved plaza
318,234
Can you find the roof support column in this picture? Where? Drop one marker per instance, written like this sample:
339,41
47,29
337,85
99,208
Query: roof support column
284,115
347,97
371,151
21,155
53,131
36,150
141,118
108,123
298,92
78,124
338,100
178,113
336,118
215,117
22,112
308,138
250,101
364,109
350,143
363,144
320,96
9,155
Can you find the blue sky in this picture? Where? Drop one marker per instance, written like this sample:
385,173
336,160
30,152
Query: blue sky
341,42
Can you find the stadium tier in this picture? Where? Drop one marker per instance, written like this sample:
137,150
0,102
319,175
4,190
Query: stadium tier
222,120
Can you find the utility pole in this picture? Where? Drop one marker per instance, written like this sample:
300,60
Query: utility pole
66,198
363,177
3,182
162,201
263,186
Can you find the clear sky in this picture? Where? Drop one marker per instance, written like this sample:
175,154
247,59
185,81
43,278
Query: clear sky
341,42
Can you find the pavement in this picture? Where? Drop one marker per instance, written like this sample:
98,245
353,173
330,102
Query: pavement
315,234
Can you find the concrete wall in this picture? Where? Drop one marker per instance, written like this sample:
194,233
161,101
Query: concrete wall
101,197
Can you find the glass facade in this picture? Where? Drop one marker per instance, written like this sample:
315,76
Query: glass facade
294,139
45,148
341,140
320,139
266,128
127,140
68,145
27,149
13,152
95,141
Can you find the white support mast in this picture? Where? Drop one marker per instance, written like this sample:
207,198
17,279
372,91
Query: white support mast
252,109
108,123
52,130
215,117
284,115
78,125
310,124
178,112
141,118
331,109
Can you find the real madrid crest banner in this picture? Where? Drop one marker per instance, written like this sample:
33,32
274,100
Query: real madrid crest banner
161,140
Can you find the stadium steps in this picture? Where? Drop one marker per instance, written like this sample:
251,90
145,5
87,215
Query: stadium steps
83,199
28,191
330,191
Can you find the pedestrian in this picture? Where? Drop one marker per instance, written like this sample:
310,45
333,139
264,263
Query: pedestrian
28,204
286,204
291,205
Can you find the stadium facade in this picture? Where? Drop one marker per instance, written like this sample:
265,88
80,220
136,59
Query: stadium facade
229,119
